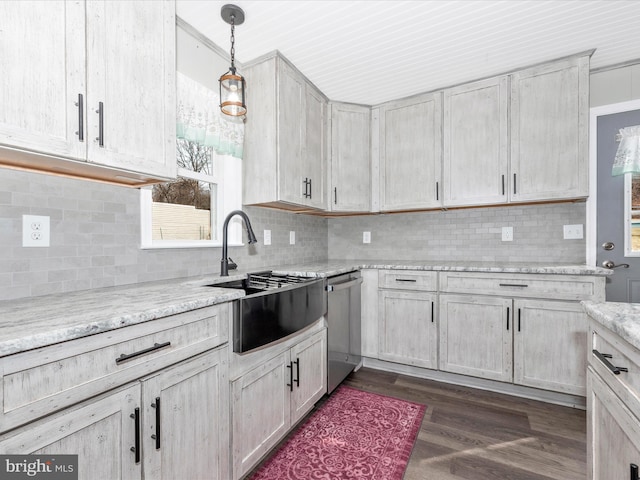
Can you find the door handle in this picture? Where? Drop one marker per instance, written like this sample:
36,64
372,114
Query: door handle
610,265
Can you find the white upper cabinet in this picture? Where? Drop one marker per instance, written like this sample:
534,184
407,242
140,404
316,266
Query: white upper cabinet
131,73
63,63
475,156
411,153
549,131
350,158
42,60
285,137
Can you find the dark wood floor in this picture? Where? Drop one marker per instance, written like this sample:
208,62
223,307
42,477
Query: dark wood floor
476,435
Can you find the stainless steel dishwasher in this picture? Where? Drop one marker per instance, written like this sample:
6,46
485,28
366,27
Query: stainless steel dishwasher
343,319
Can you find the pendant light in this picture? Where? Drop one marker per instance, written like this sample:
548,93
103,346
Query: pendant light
232,85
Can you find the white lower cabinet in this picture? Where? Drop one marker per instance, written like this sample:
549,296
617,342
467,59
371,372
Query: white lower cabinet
270,399
535,343
169,425
408,331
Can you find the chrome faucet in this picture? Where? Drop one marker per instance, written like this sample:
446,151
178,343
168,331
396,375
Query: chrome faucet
225,264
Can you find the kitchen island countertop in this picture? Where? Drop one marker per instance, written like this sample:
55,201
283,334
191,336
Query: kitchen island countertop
35,322
621,318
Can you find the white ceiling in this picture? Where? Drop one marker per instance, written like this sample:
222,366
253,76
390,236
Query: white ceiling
351,49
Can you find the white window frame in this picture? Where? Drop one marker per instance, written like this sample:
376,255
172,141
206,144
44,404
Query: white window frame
227,176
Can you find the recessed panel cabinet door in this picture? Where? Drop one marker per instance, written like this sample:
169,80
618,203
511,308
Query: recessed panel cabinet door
475,166
131,85
476,336
186,421
550,361
101,433
614,433
315,147
411,153
309,359
42,60
407,329
350,158
549,131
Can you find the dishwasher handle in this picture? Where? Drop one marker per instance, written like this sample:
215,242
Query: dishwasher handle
344,285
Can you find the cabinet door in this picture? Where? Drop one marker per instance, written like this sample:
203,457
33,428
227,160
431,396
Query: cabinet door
42,60
613,433
101,432
549,131
411,153
260,412
475,156
186,420
131,71
309,366
314,159
291,128
476,336
350,158
407,329
550,345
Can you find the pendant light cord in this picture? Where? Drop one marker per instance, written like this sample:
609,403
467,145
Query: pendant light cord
233,47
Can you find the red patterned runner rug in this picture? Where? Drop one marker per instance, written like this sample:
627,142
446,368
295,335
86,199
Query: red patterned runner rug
355,435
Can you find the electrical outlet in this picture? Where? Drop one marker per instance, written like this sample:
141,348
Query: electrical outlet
573,232
366,237
292,237
266,240
35,231
507,234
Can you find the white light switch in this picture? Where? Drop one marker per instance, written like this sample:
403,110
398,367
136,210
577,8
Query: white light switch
366,237
507,234
266,240
292,237
572,232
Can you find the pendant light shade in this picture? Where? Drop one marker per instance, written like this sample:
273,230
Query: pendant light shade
232,85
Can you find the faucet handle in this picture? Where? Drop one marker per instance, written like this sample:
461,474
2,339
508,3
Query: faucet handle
232,264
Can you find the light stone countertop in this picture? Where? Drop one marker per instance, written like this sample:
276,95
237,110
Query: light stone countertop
621,318
35,322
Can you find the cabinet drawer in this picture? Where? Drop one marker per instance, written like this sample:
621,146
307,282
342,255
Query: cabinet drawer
39,382
614,354
559,287
408,280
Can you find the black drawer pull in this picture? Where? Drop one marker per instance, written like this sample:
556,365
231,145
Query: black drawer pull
80,106
136,418
603,358
100,112
406,280
634,472
513,285
156,346
297,380
508,314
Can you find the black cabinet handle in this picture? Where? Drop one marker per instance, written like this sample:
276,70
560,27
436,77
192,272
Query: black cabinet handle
603,358
634,472
136,449
437,191
508,312
100,113
310,189
514,184
502,184
80,105
156,346
432,308
512,285
297,380
410,280
519,319
156,436
335,195
290,384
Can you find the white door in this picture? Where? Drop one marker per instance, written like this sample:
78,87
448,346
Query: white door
617,237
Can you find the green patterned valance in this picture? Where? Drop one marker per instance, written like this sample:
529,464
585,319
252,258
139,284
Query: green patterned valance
201,121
